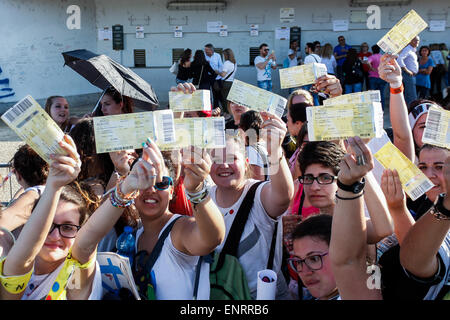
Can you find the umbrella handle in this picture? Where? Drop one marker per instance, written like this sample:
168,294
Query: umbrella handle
98,102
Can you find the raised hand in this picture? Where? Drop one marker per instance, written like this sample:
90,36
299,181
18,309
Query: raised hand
197,165
392,189
274,131
447,182
122,160
329,84
186,87
64,168
355,164
389,70
147,171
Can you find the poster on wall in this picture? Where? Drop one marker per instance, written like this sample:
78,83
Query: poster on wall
139,32
282,33
178,32
223,31
105,33
287,15
437,25
254,30
340,25
213,26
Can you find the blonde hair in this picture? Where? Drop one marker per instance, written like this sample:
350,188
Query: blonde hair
326,51
228,54
300,92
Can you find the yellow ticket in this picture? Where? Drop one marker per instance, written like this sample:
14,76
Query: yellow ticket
130,130
256,98
414,182
356,97
198,132
200,100
33,125
301,75
345,120
402,33
437,128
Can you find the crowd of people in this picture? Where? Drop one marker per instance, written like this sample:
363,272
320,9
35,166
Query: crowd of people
319,213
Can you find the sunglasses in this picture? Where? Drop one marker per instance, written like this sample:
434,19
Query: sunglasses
266,50
164,184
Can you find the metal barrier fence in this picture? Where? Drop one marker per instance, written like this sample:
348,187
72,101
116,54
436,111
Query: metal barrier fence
9,167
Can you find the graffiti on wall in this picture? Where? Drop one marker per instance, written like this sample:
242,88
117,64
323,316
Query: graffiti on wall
5,91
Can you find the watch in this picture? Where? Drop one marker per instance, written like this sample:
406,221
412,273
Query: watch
357,187
438,210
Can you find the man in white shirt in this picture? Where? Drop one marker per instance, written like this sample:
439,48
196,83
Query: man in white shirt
312,58
264,64
407,60
215,60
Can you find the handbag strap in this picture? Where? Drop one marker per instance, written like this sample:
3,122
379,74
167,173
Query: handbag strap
230,73
272,248
201,73
159,244
237,228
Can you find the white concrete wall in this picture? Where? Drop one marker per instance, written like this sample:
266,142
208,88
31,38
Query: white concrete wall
36,34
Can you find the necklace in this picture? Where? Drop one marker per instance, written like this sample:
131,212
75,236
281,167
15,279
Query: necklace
33,288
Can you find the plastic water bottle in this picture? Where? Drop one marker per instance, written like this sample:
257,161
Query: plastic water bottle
126,244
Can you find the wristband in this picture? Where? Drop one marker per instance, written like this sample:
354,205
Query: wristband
123,196
14,284
118,202
438,210
397,90
353,198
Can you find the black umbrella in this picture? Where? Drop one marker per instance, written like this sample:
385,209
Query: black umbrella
103,72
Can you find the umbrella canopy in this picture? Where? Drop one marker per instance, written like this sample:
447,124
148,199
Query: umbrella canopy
103,72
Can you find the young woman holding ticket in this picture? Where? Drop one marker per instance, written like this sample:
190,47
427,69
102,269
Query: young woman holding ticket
229,173
47,253
148,189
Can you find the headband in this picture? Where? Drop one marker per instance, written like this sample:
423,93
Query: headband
417,112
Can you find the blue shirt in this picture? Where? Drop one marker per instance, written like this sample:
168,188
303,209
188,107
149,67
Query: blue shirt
408,58
338,51
423,80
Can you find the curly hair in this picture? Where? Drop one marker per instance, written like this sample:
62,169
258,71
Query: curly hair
32,168
325,153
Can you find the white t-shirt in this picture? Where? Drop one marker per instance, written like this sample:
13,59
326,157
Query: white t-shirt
312,58
254,247
263,74
40,285
228,67
330,63
175,272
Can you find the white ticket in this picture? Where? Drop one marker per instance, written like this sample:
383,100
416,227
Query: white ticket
200,100
344,120
402,33
356,97
199,132
256,98
301,75
437,128
33,125
130,130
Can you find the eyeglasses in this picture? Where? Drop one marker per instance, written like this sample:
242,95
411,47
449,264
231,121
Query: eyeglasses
314,262
66,230
164,184
323,178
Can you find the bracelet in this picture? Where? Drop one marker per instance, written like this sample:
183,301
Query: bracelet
353,198
123,196
279,160
397,90
119,203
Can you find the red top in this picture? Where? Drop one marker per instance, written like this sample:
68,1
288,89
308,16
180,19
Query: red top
181,204
362,55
